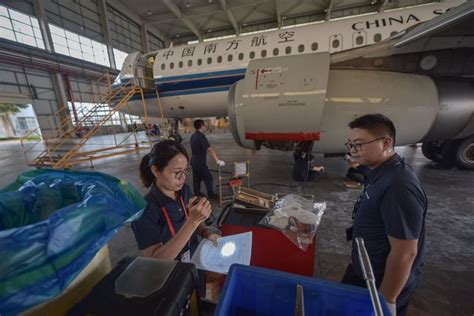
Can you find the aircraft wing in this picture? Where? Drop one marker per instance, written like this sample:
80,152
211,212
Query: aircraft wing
457,22
453,29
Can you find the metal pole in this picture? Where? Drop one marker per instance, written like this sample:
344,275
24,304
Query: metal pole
368,276
71,99
299,305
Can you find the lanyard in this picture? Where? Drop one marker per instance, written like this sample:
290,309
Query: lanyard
168,220
359,200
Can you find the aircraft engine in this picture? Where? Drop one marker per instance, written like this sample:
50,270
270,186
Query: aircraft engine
286,100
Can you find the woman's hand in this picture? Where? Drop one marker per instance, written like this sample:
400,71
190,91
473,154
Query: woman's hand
213,237
200,211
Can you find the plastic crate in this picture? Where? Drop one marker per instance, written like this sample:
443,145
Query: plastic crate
256,291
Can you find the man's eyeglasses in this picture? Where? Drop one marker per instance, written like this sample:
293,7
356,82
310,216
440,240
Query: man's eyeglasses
358,147
183,173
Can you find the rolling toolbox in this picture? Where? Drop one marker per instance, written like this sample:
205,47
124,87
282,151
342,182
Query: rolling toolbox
147,287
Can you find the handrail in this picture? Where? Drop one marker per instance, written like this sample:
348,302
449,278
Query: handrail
30,132
64,134
90,113
91,132
114,99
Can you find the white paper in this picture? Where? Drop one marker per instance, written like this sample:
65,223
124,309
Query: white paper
230,249
240,168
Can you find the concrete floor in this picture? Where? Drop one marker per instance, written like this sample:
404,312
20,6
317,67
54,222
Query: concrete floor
448,274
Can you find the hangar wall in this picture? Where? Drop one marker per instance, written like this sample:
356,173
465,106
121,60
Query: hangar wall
50,85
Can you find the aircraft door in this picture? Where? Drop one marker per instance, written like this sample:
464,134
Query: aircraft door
359,39
144,72
335,43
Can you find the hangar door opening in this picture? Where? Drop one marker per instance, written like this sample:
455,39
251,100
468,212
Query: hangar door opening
17,116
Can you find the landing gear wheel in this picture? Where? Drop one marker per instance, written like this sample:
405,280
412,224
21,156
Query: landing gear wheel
465,154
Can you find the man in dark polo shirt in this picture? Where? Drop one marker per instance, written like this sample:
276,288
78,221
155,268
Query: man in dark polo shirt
200,147
389,215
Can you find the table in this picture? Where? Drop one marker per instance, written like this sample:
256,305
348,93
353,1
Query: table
271,249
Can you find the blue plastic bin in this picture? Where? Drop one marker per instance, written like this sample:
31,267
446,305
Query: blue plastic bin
256,291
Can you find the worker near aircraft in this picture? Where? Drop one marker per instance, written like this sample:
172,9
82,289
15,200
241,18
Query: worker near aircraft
200,147
171,221
389,215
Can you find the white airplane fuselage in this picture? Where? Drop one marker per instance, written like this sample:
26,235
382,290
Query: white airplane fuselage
194,80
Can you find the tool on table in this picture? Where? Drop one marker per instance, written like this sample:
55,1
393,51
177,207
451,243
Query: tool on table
210,220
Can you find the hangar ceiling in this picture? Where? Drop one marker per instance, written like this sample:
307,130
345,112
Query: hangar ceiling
185,20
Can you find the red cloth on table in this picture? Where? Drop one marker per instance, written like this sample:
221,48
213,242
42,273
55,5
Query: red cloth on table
273,250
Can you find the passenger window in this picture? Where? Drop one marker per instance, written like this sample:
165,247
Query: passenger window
336,43
301,48
163,66
288,50
263,53
314,46
209,60
171,65
275,52
190,63
219,59
241,56
230,57
252,55
180,64
377,37
199,62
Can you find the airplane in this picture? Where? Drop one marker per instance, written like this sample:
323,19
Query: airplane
194,80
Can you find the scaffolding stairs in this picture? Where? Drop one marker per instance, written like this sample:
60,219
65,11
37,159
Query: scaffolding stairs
64,150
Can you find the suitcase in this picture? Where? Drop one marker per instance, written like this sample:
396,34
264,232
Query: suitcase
173,294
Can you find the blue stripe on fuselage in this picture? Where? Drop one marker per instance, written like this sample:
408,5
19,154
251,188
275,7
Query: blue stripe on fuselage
182,92
202,75
193,83
197,83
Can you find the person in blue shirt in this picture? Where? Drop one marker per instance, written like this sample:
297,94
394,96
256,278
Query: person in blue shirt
389,215
170,222
200,147
303,170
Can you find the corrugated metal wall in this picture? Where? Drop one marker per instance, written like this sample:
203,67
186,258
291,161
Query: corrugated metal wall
83,18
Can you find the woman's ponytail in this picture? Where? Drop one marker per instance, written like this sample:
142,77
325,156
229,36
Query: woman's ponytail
146,175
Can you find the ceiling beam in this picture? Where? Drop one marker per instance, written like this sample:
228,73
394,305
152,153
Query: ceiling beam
183,18
278,13
293,7
329,10
230,15
199,11
382,6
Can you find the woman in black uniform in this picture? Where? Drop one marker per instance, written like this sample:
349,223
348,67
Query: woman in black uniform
170,223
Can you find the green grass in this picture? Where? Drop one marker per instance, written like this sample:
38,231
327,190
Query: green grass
33,137
29,138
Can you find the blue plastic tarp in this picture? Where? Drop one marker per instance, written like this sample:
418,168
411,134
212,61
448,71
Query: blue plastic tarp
52,224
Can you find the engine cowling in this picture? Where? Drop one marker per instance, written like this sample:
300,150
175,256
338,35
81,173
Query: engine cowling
297,98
